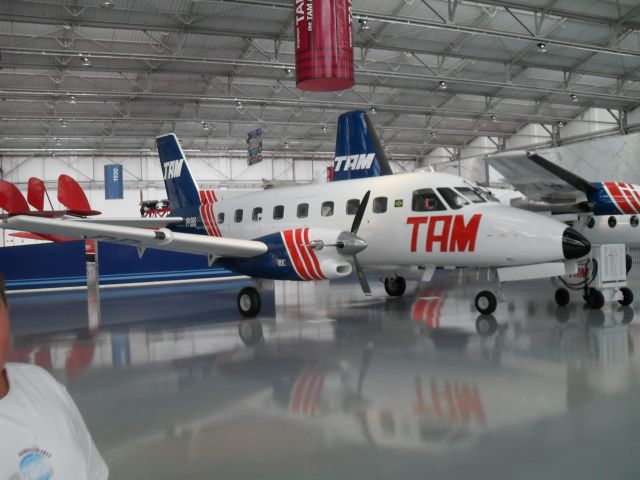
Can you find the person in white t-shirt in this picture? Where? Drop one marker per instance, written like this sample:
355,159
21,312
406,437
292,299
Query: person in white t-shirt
42,434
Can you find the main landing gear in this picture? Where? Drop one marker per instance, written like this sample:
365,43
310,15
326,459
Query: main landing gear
486,302
395,286
595,298
249,302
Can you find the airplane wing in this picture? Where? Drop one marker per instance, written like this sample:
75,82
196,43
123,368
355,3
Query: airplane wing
139,237
153,222
537,178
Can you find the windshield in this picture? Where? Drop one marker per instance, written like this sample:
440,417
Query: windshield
453,199
471,194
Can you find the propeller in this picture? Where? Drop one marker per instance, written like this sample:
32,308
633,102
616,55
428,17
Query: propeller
349,243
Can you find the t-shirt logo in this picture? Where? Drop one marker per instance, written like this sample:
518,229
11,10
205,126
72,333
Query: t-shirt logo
34,465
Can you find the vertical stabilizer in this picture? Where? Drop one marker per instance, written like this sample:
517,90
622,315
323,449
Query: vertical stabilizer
182,189
359,153
71,194
11,199
35,193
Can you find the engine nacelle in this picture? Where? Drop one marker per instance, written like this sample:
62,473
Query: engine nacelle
306,254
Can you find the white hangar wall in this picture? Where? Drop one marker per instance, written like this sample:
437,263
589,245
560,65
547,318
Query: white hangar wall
591,145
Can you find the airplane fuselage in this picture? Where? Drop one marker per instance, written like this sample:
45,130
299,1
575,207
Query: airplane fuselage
408,222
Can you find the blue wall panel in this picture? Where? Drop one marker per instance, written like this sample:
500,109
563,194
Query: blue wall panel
45,265
121,264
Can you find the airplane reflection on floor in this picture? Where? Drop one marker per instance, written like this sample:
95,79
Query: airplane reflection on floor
336,384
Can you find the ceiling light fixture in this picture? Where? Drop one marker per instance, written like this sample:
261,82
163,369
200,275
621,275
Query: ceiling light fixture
205,126
574,98
561,124
373,110
288,71
58,142
364,24
106,4
286,145
442,85
542,47
86,62
63,123
324,129
493,118
72,99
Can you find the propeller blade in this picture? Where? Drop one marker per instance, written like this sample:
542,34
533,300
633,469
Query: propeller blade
364,284
360,212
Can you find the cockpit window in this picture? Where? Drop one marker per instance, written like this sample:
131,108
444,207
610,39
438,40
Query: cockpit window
471,194
453,199
426,200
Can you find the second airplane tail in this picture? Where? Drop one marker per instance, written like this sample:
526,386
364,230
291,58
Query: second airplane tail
182,189
359,153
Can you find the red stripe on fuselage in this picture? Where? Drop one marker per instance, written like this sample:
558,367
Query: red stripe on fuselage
618,197
314,257
203,214
304,254
287,235
629,193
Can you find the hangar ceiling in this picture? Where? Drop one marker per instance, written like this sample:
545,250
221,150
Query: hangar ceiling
101,76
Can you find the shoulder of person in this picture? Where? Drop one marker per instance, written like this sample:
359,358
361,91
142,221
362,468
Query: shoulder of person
32,373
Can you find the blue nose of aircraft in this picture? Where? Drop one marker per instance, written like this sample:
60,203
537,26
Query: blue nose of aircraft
574,244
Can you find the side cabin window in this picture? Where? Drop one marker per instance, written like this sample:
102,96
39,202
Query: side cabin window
221,217
237,217
471,194
426,200
256,215
278,212
303,210
453,198
327,209
352,206
379,204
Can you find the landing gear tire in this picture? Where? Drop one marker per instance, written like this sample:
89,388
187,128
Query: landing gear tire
595,299
249,302
486,302
628,262
395,286
250,332
562,297
627,297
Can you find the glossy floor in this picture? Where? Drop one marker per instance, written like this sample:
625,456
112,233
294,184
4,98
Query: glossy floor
344,386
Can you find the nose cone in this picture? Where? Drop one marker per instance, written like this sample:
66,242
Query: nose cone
574,244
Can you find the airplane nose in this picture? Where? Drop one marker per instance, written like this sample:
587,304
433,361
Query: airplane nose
574,244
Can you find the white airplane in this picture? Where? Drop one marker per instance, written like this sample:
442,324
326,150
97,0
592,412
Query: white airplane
606,212
326,231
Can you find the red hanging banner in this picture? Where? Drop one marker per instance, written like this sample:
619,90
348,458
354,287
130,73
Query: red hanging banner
324,45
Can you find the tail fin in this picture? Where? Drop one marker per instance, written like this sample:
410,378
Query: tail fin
35,193
359,153
71,195
11,199
181,187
